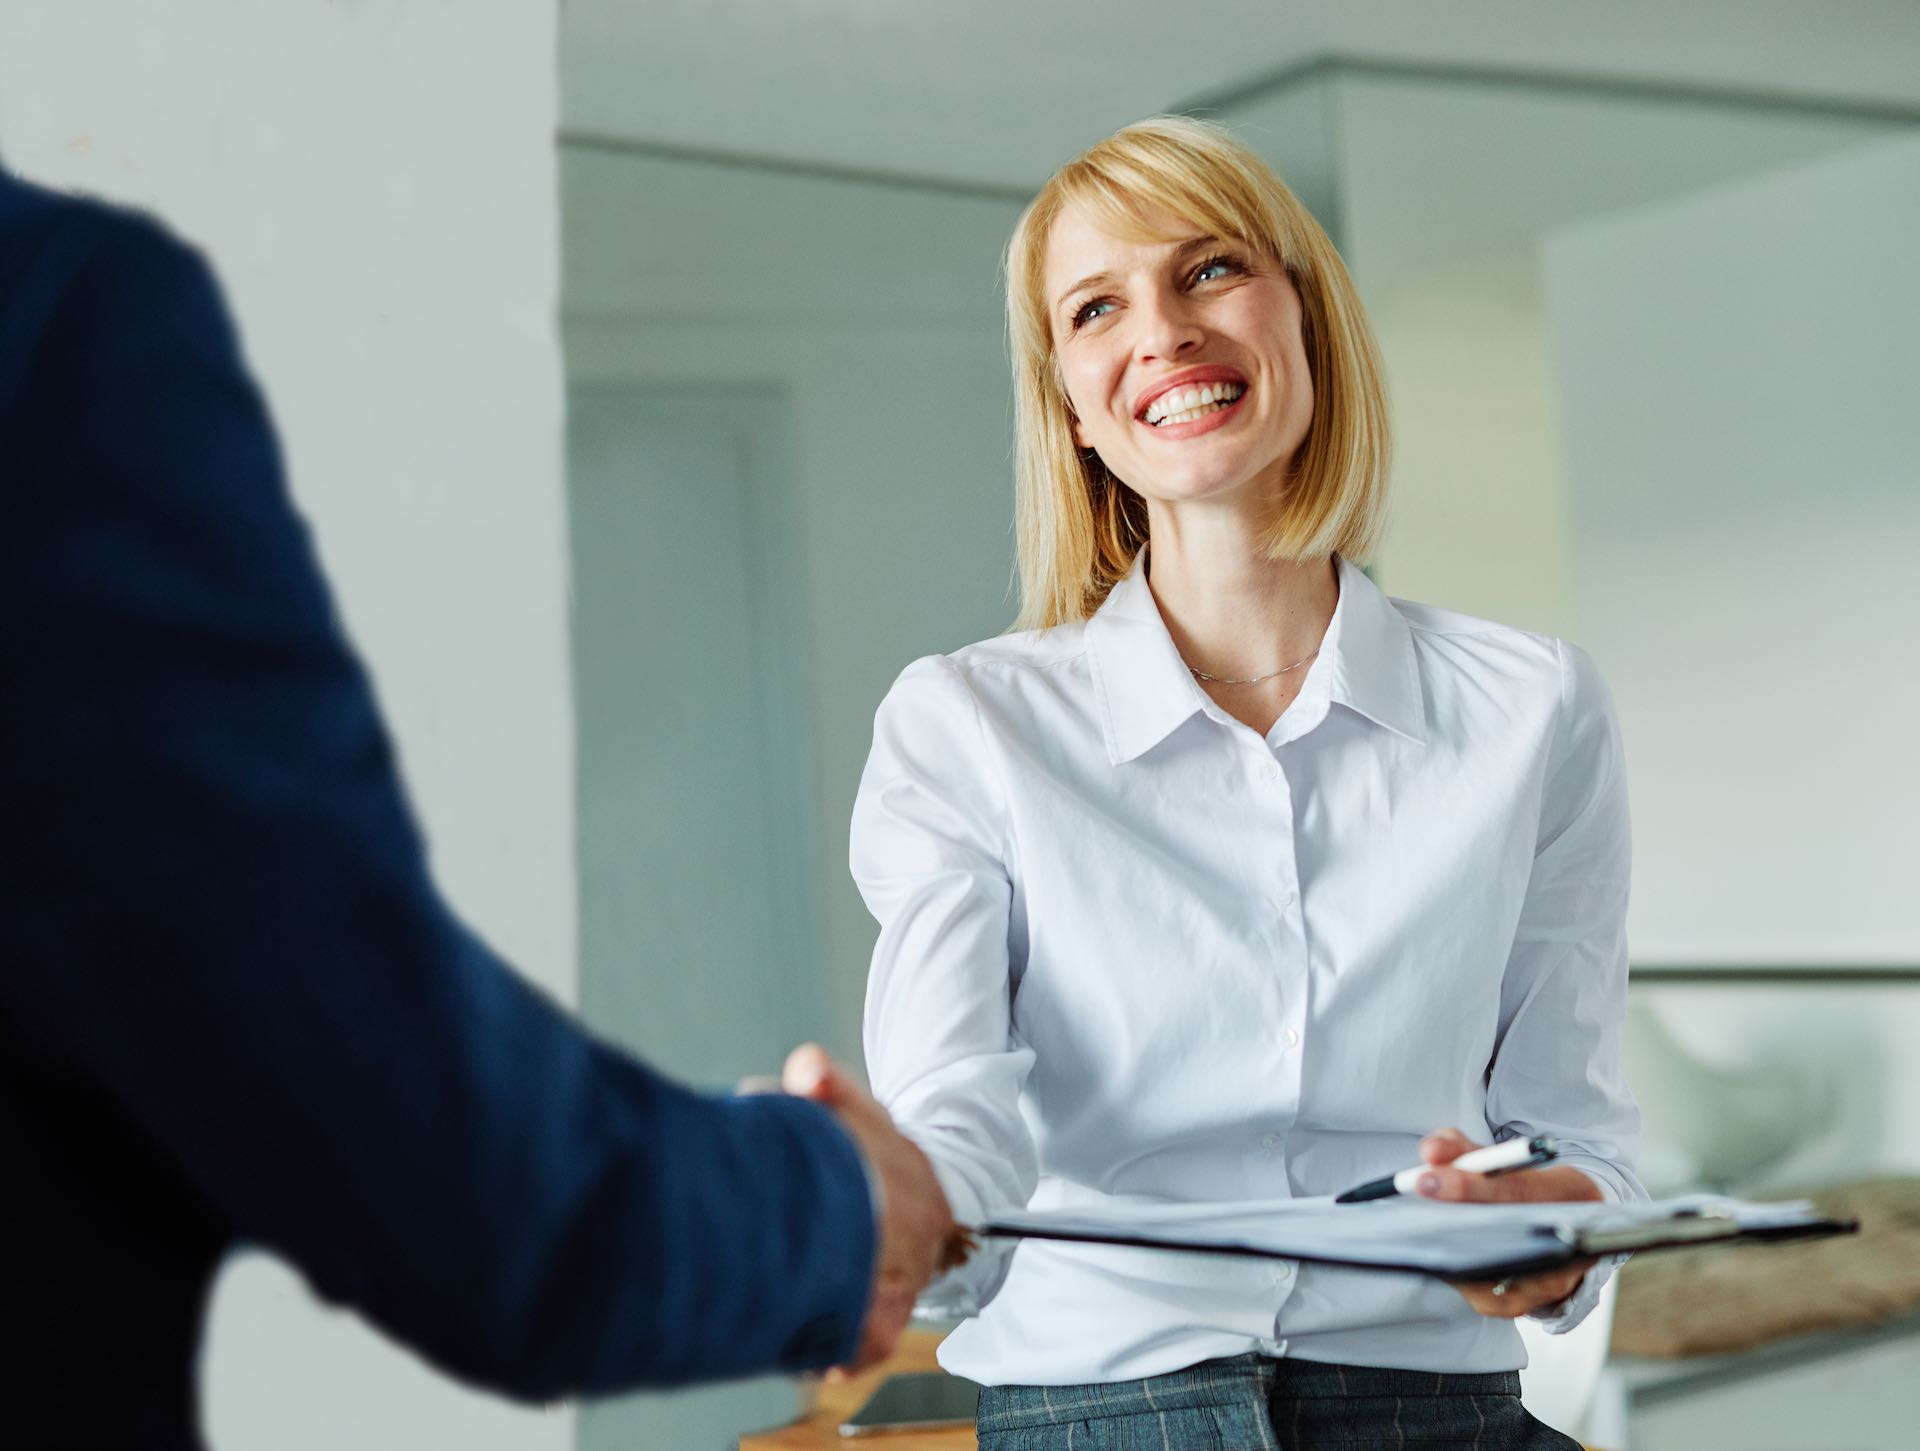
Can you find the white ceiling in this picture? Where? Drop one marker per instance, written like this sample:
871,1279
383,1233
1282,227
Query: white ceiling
998,92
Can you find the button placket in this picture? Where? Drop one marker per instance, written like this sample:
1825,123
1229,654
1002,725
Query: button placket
1282,897
1271,770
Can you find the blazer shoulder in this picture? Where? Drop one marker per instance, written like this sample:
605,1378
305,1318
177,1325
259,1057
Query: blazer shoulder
82,269
46,233
27,208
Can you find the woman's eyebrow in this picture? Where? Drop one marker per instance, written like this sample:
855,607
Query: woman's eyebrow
1179,250
1085,284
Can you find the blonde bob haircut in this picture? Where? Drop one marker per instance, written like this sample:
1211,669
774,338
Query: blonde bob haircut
1078,527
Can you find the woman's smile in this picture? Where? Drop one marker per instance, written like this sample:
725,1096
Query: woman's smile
1195,401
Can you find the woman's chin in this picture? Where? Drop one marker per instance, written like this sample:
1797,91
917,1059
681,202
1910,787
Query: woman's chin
1203,487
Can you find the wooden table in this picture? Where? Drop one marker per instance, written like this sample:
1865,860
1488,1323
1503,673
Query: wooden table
839,1399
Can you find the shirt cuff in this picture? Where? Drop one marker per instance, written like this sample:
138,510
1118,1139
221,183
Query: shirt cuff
961,1291
1558,1319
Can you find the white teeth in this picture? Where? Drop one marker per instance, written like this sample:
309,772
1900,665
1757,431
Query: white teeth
1187,415
1183,405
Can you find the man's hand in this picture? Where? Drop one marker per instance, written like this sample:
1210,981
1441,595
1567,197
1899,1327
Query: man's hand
1561,1182
918,1238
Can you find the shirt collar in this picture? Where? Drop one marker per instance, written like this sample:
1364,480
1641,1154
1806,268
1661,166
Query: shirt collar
1143,685
1146,692
1374,668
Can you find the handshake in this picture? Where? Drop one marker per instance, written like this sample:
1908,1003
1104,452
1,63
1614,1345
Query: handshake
917,1236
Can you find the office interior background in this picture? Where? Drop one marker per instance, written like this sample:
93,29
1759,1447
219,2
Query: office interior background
640,366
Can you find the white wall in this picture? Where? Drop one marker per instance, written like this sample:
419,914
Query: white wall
1736,372
875,311
1444,193
375,184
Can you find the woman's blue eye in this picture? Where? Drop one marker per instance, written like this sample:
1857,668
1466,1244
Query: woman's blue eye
1087,314
1223,264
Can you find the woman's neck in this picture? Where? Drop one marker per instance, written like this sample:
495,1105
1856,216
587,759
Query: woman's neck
1233,612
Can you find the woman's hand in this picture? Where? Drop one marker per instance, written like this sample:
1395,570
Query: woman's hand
1511,1298
918,1238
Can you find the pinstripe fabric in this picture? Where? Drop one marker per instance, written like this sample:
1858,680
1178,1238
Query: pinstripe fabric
1251,1403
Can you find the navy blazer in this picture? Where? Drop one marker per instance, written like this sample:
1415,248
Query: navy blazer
232,1005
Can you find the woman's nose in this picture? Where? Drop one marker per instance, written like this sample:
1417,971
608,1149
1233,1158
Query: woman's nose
1167,328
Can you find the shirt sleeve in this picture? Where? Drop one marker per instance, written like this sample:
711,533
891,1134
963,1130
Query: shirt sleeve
1557,1063
930,854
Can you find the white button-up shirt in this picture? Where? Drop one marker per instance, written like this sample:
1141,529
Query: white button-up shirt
1131,948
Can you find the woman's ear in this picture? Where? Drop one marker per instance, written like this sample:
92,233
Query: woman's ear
1073,414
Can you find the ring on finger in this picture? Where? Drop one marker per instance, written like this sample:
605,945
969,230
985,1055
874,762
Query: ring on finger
1504,1286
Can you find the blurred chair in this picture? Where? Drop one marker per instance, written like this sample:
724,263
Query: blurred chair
1717,1126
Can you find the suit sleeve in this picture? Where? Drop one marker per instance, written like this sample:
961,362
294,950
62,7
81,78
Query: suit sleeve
229,938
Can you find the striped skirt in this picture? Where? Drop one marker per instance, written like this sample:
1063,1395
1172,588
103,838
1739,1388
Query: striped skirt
1251,1403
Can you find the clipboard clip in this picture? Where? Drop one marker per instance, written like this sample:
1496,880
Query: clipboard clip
1686,1226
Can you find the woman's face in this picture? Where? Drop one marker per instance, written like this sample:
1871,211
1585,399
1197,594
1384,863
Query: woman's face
1140,327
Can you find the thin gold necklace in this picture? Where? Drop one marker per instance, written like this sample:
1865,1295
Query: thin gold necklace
1199,674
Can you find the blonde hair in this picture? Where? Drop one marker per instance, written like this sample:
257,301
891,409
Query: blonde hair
1078,527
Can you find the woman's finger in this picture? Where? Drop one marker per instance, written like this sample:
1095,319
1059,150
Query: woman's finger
1558,1184
810,1073
1443,1146
1510,1299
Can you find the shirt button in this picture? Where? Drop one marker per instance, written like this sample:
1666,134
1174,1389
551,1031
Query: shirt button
1281,1275
1269,1142
1292,1035
1287,899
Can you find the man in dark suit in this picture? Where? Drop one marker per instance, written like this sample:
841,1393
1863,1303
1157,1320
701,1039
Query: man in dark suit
232,1005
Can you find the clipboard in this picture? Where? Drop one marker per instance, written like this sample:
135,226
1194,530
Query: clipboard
1449,1241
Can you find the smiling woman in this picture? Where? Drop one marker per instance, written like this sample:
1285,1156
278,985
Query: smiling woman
1228,877
1220,225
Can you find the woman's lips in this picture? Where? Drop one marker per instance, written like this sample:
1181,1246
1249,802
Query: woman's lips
1213,420
1206,375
